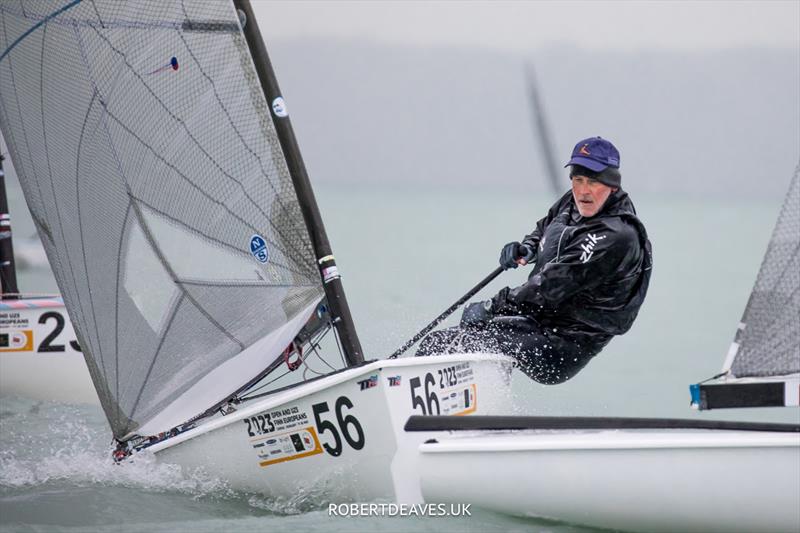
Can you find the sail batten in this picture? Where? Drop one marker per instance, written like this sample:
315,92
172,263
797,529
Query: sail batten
151,164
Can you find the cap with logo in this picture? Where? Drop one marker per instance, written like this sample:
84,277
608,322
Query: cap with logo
595,153
600,156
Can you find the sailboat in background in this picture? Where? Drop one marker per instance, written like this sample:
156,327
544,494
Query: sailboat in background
39,355
160,167
762,368
651,474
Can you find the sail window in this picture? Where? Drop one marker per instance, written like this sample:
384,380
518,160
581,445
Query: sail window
193,257
146,280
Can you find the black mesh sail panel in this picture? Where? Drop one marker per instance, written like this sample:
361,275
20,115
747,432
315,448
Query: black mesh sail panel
769,336
150,164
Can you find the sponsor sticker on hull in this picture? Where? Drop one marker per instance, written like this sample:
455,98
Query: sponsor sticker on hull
16,341
462,402
286,446
281,435
448,390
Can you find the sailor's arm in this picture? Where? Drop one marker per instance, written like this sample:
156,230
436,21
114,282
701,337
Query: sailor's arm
589,259
523,253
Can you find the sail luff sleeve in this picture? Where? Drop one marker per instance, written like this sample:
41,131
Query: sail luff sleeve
332,283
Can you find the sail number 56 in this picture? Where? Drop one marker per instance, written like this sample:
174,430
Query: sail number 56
428,401
348,424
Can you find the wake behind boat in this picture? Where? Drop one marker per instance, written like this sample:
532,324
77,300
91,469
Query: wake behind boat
157,158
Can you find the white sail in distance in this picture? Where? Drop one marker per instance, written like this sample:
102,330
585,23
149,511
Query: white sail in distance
151,167
768,340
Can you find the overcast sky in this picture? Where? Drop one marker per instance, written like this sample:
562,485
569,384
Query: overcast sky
525,25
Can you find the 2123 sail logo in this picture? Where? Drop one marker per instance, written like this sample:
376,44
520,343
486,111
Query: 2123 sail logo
258,247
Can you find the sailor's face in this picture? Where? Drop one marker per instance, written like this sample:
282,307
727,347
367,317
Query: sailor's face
589,194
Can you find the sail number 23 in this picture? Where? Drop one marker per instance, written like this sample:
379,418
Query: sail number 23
348,425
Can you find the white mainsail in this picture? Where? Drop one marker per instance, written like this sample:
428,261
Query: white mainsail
151,167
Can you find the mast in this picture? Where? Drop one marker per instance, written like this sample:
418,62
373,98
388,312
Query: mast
545,137
8,271
331,281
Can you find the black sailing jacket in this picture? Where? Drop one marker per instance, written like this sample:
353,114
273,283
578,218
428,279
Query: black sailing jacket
591,274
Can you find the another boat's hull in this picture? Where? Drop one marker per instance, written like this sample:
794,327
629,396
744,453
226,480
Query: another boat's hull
641,480
39,355
341,438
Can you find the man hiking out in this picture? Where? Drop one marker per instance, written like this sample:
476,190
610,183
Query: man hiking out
592,269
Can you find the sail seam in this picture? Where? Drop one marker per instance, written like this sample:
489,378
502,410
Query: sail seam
116,301
80,222
97,12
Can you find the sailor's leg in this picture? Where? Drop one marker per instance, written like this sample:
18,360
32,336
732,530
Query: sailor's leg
544,358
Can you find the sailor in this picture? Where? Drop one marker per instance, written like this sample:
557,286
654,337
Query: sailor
592,263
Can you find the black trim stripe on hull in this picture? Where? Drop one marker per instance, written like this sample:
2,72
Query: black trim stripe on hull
467,423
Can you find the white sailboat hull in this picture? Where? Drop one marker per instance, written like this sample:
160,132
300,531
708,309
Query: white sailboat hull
341,438
39,355
642,480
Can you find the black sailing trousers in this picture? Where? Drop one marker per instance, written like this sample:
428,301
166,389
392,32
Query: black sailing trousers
541,355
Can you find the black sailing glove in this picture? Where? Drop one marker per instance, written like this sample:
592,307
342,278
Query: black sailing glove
514,251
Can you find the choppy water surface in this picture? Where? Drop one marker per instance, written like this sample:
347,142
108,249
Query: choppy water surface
405,256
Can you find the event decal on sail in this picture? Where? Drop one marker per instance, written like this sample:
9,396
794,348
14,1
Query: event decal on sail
456,394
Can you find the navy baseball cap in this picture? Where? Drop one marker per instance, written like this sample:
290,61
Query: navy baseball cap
595,153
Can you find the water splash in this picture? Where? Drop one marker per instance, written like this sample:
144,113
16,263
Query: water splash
44,442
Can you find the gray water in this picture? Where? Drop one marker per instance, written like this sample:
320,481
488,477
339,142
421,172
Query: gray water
406,253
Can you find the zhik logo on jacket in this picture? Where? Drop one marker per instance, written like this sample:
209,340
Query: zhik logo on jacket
591,241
